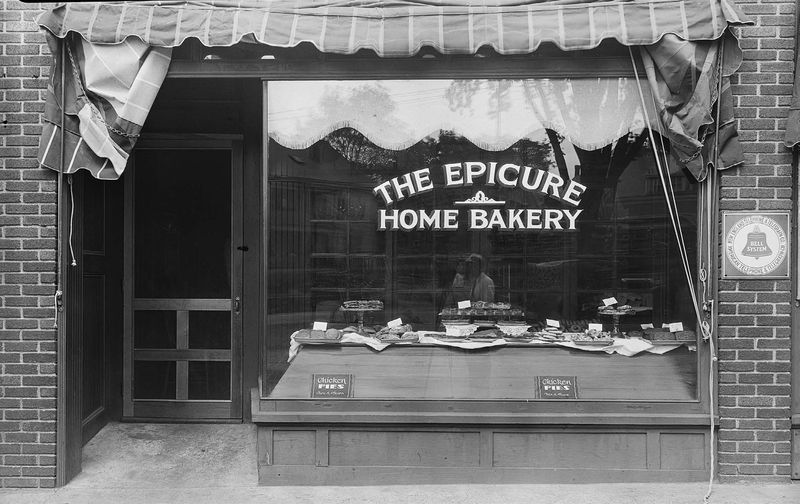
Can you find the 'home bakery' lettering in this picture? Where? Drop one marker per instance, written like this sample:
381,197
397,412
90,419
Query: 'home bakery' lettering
508,219
466,174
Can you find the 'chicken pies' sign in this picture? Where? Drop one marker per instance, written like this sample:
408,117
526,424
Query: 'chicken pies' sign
480,211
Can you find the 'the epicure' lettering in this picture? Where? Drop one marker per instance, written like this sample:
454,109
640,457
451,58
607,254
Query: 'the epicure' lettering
468,173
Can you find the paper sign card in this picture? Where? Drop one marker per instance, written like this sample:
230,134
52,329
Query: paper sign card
675,327
647,326
320,326
557,387
609,301
395,323
664,326
553,323
464,304
596,327
332,386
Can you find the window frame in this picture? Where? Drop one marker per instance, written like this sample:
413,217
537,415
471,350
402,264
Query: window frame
465,411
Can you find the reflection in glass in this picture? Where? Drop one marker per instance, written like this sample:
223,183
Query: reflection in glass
183,222
209,380
325,245
210,329
154,329
154,380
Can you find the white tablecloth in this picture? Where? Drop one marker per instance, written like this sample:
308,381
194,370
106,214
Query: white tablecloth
622,346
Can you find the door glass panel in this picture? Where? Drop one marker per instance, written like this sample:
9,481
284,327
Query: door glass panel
182,205
209,380
210,329
154,329
154,380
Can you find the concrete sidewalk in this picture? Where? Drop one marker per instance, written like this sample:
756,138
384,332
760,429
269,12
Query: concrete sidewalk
198,464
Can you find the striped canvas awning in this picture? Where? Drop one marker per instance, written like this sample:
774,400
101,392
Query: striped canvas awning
117,63
397,27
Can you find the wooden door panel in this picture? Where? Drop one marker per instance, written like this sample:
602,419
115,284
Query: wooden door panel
182,352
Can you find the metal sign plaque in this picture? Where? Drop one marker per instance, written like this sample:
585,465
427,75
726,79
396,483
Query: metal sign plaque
756,245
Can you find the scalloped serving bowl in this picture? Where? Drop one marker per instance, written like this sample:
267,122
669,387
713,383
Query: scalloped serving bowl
459,330
513,329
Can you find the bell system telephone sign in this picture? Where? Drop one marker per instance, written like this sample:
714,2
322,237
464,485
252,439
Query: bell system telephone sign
756,245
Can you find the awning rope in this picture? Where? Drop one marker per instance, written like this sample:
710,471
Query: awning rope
672,207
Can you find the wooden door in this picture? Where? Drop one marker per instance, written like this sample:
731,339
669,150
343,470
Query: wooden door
98,258
183,282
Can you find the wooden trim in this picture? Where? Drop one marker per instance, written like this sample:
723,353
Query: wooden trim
252,215
182,380
350,475
182,304
486,448
178,141
236,391
194,354
653,450
264,240
182,330
795,311
263,446
127,287
182,409
471,418
478,412
431,68
321,448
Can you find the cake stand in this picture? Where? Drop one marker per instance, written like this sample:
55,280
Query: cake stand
360,315
615,315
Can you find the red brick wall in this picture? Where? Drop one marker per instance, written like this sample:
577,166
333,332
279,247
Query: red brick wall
754,324
27,259
755,315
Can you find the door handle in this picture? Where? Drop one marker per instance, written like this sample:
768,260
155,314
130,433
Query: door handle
237,304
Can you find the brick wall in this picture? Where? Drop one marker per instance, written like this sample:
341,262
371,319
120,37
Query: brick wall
755,316
27,259
754,324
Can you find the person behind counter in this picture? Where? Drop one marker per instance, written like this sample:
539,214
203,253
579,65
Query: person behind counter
482,286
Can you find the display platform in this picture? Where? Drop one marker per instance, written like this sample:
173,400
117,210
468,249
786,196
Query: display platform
494,373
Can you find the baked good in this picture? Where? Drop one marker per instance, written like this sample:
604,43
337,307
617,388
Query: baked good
363,304
685,336
312,335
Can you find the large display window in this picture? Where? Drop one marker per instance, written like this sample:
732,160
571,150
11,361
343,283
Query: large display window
456,239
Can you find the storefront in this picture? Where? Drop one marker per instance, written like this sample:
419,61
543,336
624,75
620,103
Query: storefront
417,242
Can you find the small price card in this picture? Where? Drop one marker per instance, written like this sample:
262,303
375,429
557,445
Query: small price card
675,327
464,304
596,327
395,323
609,301
557,387
553,323
332,386
320,326
647,326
